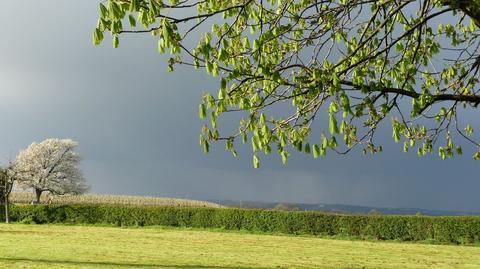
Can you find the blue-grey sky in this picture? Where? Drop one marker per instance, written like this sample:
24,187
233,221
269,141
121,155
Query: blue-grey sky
138,129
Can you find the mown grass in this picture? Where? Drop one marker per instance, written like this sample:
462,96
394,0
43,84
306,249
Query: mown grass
96,199
54,246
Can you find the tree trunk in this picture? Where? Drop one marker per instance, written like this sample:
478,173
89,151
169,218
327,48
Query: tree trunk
4,199
38,194
7,213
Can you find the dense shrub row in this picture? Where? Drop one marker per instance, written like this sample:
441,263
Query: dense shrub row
405,228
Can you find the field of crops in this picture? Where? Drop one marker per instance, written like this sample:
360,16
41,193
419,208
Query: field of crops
54,246
27,197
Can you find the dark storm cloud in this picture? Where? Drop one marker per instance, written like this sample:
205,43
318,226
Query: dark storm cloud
138,130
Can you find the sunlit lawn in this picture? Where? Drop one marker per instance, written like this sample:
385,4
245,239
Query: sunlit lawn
52,246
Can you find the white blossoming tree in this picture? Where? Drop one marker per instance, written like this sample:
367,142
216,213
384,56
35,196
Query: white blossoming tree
51,166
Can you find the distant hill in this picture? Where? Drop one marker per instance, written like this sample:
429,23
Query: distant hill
339,208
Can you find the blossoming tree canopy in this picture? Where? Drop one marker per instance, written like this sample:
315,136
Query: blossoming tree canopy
290,66
50,166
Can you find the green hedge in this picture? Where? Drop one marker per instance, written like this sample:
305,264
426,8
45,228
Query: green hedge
459,230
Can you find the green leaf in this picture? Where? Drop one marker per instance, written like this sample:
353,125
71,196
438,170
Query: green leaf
115,12
166,32
333,108
132,20
332,124
103,11
420,152
202,111
256,162
441,153
221,94
97,37
267,149
405,147
213,119
399,47
459,150
396,131
284,156
215,69
229,144
223,83
333,142
206,147
323,152
307,148
134,5
316,151
161,46
469,130
298,146
345,102
335,81
262,119
115,41
324,142
244,137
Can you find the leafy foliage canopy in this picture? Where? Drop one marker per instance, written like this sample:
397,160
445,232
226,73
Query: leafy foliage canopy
283,63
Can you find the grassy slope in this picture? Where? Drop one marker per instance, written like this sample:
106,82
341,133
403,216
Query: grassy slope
48,246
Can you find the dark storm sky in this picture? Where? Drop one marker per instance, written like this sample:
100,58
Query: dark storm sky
138,129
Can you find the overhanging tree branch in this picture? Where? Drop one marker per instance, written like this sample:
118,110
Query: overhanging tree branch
351,60
474,99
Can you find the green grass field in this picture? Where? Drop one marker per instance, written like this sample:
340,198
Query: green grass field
52,246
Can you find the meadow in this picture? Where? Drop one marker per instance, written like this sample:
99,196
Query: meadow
57,246
114,231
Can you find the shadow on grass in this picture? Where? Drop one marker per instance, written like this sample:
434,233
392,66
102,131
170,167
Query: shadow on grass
123,265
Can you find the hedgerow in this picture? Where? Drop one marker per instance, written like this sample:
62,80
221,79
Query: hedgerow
457,230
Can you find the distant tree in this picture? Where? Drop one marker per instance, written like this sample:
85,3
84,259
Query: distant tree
3,186
374,212
350,64
50,166
7,180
